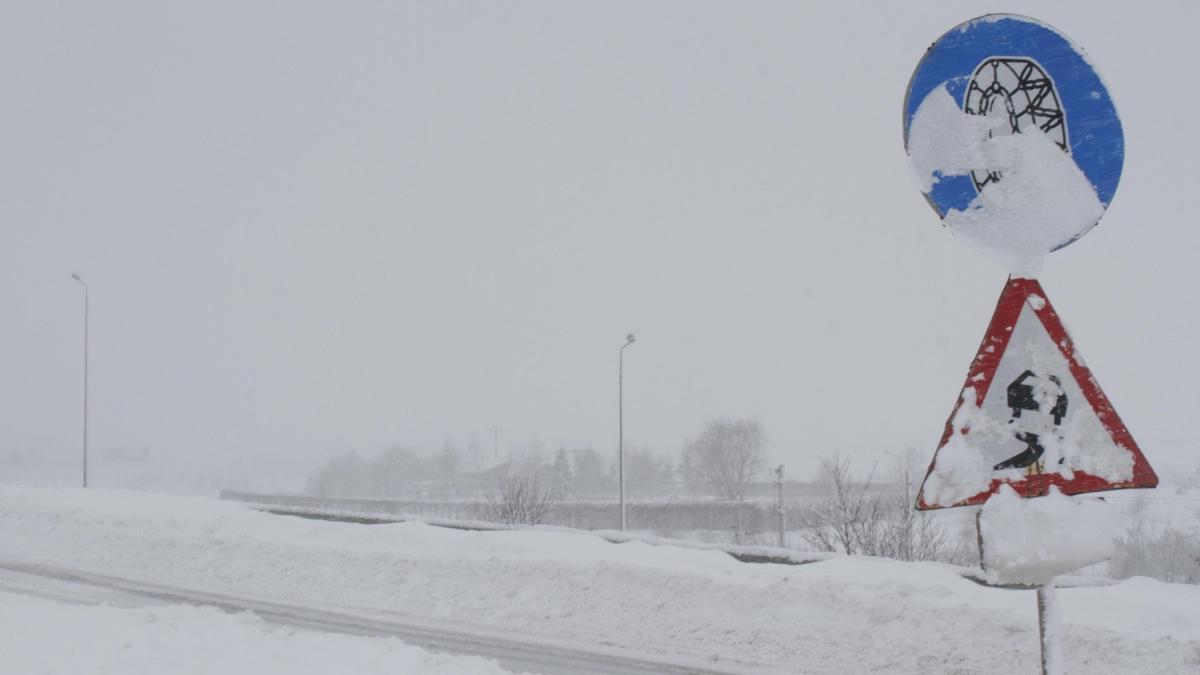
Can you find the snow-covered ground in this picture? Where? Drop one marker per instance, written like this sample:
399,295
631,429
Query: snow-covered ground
47,637
847,614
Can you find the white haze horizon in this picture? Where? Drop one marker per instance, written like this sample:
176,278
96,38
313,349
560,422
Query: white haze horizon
312,228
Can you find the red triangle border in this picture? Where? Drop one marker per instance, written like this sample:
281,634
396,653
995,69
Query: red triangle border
983,369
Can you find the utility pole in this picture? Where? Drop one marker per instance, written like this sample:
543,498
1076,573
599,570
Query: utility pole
629,339
779,508
76,277
495,441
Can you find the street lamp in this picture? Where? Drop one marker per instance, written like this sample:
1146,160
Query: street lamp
629,339
85,374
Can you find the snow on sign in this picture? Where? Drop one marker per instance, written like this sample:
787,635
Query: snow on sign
1015,140
1030,415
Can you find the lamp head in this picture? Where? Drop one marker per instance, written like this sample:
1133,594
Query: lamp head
631,338
75,277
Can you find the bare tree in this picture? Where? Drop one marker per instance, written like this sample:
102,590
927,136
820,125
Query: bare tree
449,464
1166,551
728,454
589,476
647,474
561,474
520,500
843,518
909,534
688,476
858,517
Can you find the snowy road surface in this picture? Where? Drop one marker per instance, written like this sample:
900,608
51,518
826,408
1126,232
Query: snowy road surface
53,627
81,588
577,592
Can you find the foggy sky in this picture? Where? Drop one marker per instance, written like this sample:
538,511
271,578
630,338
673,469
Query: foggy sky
329,226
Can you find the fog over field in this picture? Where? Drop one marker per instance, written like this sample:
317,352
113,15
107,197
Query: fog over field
311,228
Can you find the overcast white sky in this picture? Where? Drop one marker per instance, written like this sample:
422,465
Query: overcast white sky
338,225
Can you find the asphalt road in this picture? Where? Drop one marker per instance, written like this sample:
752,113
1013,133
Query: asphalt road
80,587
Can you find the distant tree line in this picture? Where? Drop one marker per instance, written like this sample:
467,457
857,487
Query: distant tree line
570,473
720,462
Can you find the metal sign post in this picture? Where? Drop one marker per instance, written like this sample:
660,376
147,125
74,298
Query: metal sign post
1049,631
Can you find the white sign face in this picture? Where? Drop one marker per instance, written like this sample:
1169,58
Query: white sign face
1031,415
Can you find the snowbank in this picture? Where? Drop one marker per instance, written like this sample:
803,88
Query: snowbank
1028,541
745,553
847,614
181,639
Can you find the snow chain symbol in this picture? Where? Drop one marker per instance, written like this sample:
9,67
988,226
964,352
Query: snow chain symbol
1026,93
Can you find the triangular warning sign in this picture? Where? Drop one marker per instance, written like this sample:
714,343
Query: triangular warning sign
1030,415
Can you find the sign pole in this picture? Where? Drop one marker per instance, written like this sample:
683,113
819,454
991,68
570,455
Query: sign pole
979,539
1049,630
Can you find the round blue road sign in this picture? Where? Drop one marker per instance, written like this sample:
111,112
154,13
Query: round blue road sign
1004,63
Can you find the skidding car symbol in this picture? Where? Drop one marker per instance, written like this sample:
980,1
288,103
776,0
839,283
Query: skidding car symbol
1031,392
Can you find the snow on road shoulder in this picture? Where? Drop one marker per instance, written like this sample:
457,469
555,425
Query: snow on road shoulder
182,639
847,613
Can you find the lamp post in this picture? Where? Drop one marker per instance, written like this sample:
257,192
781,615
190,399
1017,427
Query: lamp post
629,339
85,375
